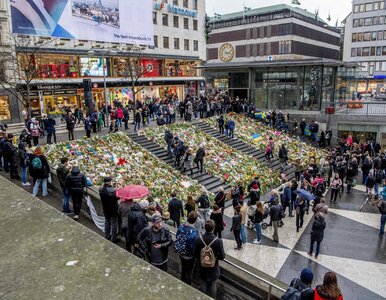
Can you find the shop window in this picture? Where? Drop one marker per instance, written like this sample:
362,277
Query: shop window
176,43
186,44
354,37
367,21
186,23
93,66
154,17
195,25
369,6
57,66
174,68
165,19
176,21
156,41
166,42
195,45
5,111
356,8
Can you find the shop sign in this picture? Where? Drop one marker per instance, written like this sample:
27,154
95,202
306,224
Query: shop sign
50,87
151,67
176,10
31,94
47,93
64,92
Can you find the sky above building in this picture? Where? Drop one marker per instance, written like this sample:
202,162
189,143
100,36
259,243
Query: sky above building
337,9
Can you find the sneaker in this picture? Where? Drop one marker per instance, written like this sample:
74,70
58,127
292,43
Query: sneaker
256,242
27,184
23,184
76,217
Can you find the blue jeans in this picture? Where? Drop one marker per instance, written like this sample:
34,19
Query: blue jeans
317,247
24,174
382,228
148,119
137,126
230,134
376,188
258,231
119,122
243,234
37,185
66,200
226,132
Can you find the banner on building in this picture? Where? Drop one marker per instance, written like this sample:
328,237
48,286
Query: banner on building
120,21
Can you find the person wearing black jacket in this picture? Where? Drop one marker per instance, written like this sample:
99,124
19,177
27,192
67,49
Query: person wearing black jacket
49,125
221,123
303,284
317,233
276,213
283,156
236,227
155,241
110,209
176,210
302,126
70,125
136,222
23,163
203,204
137,120
199,159
219,199
350,177
209,276
10,156
76,182
62,172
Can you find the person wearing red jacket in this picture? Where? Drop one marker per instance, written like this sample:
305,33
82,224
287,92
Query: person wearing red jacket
329,290
119,116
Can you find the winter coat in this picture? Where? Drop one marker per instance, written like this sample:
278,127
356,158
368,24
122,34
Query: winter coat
175,209
44,172
287,195
62,172
320,295
109,201
200,154
23,157
148,237
75,181
136,222
49,125
258,217
318,227
137,117
276,212
218,221
120,113
283,154
124,208
203,201
219,199
301,206
70,123
307,292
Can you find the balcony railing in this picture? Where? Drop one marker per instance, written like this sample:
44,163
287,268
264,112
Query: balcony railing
358,107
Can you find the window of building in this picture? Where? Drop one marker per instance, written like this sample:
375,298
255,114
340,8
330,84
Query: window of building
360,34
195,25
384,34
367,21
374,36
381,20
360,23
380,35
186,23
176,43
365,51
185,3
186,44
382,5
165,19
372,51
166,42
376,6
284,29
284,47
355,22
354,37
379,51
195,4
361,8
176,21
165,1
195,45
356,8
156,41
375,20
353,52
175,2
366,36
5,110
383,66
383,50
369,6
359,51
154,17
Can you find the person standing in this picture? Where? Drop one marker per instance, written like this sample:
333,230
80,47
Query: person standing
300,207
231,129
217,217
219,199
335,187
35,130
258,218
382,209
317,234
199,159
124,208
221,122
137,120
70,125
175,209
40,170
75,183
190,205
244,216
301,286
120,116
203,204
329,289
136,222
155,241
11,156
188,161
109,201
61,172
126,117
49,125
302,126
236,227
87,126
276,214
24,162
184,246
283,156
209,267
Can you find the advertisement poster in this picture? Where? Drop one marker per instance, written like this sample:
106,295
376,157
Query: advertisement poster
119,21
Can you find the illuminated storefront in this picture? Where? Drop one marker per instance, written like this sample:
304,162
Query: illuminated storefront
5,110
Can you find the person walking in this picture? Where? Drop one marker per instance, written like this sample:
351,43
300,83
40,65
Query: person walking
317,234
208,251
61,172
276,214
283,156
203,205
329,290
217,217
335,187
301,286
219,199
109,201
236,227
231,129
175,209
188,161
40,170
184,246
259,216
321,207
190,205
300,207
75,183
155,241
199,159
382,209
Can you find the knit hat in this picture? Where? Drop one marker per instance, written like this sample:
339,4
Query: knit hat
156,219
306,276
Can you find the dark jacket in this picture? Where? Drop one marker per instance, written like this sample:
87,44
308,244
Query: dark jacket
62,172
276,212
287,195
49,125
283,153
218,221
148,237
220,199
75,181
236,222
175,209
200,154
254,196
123,211
318,227
258,217
203,201
109,201
9,149
23,156
308,292
70,122
209,274
136,222
137,117
44,172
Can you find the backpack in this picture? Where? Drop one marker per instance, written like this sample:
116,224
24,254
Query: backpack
185,238
320,189
291,294
37,163
378,176
207,257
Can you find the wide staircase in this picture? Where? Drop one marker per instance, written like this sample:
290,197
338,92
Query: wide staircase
238,144
210,182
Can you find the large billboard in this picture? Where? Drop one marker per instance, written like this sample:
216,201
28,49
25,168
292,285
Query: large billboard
120,21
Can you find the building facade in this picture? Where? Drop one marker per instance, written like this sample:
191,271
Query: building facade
278,57
62,64
365,44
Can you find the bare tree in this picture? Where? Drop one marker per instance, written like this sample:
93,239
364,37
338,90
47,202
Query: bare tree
19,68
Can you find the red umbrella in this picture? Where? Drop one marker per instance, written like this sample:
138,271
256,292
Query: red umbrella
132,192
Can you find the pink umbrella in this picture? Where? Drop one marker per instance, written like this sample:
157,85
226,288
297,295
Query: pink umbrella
132,192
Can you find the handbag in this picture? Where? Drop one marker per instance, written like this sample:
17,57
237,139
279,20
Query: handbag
354,183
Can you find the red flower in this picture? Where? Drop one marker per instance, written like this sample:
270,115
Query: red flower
121,161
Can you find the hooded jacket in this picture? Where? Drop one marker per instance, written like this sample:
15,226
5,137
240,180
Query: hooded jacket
61,173
75,181
307,293
136,222
109,201
318,227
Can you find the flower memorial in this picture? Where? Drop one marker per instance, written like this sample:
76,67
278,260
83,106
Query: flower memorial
117,156
222,161
257,135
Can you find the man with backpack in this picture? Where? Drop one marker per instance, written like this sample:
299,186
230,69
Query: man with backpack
300,288
208,250
184,246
